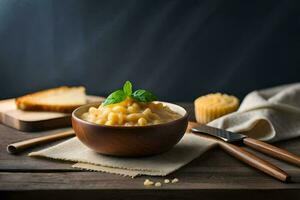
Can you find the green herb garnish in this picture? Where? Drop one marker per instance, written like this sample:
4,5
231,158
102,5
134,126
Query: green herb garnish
143,96
115,97
127,88
120,95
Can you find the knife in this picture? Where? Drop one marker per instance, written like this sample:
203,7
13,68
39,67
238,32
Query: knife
227,137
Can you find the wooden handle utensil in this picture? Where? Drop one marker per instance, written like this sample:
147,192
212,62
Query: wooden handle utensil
20,146
255,161
272,151
247,157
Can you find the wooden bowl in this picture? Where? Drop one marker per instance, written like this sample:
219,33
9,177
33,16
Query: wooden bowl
129,141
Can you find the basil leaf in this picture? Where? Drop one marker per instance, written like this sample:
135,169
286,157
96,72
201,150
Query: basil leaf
143,96
127,88
115,97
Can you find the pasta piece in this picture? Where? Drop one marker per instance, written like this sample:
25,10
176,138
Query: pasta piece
142,121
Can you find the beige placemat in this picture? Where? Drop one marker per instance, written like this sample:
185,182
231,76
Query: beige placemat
190,147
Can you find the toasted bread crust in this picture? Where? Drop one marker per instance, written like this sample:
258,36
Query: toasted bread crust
24,102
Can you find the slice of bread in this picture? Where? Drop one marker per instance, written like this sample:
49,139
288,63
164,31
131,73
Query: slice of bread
62,99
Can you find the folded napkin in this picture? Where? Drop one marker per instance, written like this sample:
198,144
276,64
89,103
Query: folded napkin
271,114
190,147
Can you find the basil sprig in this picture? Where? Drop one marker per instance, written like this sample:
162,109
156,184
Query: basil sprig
120,95
127,88
143,96
115,97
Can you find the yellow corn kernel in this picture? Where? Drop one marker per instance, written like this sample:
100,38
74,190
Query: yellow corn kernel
142,121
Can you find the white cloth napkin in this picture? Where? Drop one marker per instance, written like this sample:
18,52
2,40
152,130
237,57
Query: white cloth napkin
271,114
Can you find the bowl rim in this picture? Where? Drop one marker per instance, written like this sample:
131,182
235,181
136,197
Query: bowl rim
74,116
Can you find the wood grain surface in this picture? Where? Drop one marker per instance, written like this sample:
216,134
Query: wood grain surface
214,175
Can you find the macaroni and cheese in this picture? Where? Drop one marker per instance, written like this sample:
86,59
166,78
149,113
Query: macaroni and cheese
130,113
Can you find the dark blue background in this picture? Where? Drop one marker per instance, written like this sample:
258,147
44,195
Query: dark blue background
178,49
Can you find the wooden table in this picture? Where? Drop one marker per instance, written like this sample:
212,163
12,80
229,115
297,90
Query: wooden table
211,176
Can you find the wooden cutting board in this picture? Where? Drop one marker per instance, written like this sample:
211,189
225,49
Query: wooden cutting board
33,120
